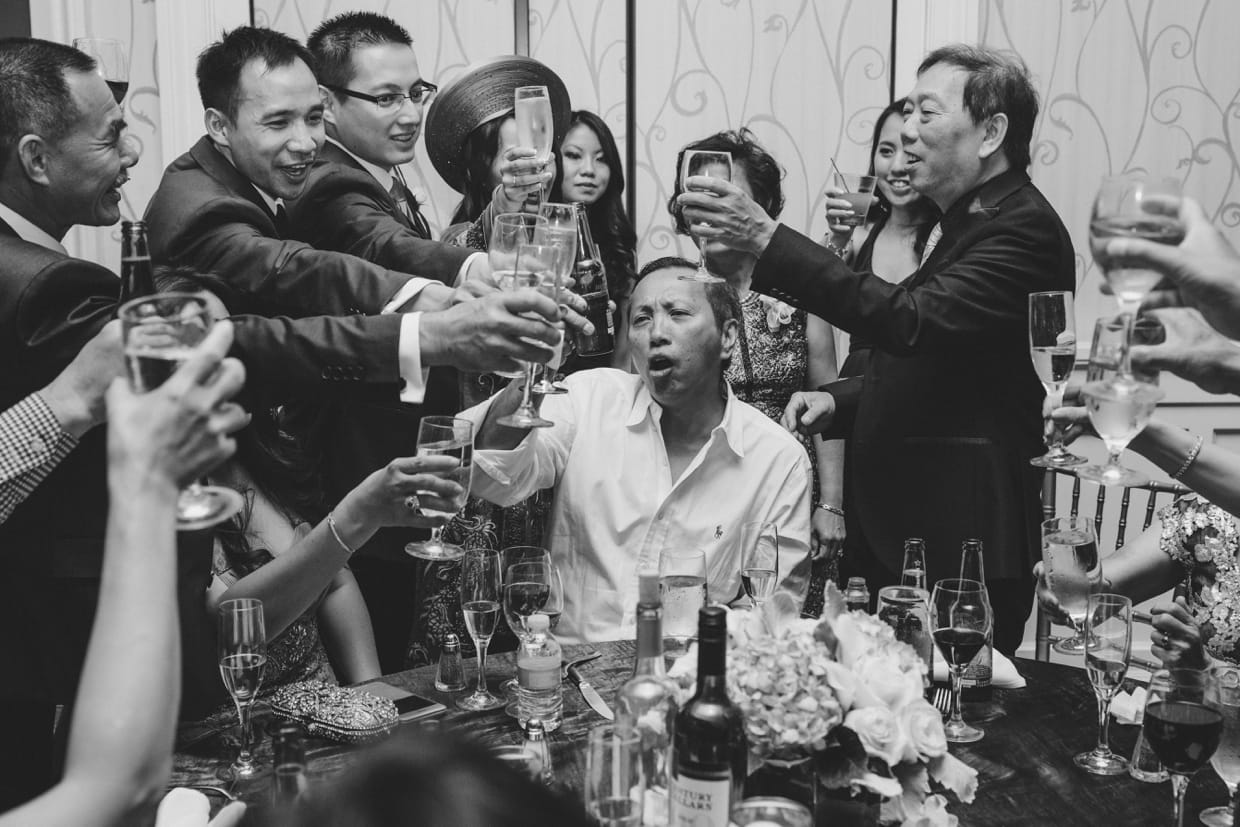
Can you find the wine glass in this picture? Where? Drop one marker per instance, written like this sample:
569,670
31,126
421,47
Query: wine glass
508,232
1184,724
480,604
535,126
1129,206
1118,409
561,229
242,649
1226,759
527,588
682,584
445,436
615,782
1108,644
962,619
159,333
1109,352
759,560
712,165
111,62
1073,572
1052,344
538,267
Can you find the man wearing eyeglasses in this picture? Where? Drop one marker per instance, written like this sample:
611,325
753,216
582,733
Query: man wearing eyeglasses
356,200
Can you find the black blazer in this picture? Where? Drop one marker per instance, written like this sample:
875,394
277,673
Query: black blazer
943,412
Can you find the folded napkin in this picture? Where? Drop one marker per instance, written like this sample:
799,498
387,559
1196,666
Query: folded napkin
1003,674
1129,707
182,807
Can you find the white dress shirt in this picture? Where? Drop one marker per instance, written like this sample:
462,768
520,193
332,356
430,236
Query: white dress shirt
617,507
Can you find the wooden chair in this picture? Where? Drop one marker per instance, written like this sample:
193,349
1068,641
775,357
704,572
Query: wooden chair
1153,491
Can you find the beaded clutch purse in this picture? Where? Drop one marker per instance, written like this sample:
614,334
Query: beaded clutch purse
335,712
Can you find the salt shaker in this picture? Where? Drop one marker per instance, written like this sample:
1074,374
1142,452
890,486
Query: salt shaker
536,743
450,676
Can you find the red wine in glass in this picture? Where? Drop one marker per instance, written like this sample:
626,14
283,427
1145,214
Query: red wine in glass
959,646
1183,734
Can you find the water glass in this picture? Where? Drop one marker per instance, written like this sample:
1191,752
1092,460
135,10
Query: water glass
682,584
771,811
906,609
1226,759
615,786
759,560
1108,644
1073,571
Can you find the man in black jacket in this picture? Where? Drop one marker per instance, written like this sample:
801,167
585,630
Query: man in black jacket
942,410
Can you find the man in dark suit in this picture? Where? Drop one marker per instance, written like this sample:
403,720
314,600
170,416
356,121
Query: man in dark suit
942,413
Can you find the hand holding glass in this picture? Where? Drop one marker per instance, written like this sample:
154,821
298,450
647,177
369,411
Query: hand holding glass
535,126
712,165
1052,344
445,436
1073,571
538,267
1130,206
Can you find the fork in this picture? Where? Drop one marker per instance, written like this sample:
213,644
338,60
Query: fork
566,665
210,789
942,699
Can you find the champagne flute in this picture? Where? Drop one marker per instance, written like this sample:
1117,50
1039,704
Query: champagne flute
508,232
480,604
1108,644
1134,207
1184,724
242,648
615,782
538,267
682,584
1226,759
1073,572
1052,344
759,560
451,437
535,127
1118,409
111,62
561,230
712,165
962,619
160,333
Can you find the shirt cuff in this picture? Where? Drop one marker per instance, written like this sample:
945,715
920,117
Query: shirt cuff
465,265
406,294
495,463
409,359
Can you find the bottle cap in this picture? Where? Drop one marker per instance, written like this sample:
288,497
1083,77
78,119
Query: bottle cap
857,583
534,730
451,642
538,622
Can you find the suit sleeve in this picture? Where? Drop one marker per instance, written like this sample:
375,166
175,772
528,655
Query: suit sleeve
61,309
975,300
344,216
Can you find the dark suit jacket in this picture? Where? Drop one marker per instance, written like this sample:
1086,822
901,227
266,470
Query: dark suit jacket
52,545
943,412
206,214
344,208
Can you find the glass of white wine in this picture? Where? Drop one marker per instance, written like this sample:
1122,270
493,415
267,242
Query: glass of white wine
1052,344
242,649
1118,409
535,126
538,267
440,436
759,560
712,165
480,592
1134,206
1073,571
1108,645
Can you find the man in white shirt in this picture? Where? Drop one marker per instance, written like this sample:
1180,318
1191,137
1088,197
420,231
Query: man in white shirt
667,459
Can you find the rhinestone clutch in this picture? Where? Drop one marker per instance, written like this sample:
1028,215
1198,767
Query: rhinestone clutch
335,712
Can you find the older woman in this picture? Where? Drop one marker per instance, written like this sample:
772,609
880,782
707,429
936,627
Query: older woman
781,350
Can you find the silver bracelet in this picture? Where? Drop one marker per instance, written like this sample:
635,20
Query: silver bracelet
331,524
1190,458
833,509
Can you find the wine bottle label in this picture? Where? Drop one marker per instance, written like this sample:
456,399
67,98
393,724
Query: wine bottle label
699,802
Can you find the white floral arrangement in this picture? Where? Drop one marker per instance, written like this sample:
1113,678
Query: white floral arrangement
778,314
846,693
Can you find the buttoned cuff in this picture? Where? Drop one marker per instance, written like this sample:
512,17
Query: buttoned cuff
406,294
30,436
492,462
465,265
409,359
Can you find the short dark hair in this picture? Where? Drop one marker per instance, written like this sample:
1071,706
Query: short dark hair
722,297
34,90
997,83
184,278
479,150
762,170
333,42
221,63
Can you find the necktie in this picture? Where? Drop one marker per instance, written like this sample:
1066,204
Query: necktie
398,195
281,221
932,241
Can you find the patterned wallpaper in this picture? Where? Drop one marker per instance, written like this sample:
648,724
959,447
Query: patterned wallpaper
1134,85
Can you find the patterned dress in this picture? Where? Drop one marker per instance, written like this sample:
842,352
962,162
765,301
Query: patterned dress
768,366
1202,538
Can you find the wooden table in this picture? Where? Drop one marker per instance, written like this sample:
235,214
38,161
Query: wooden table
1024,763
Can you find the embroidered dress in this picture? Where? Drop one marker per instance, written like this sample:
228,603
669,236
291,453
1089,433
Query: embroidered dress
1202,538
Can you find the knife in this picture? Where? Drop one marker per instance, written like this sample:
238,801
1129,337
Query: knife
591,695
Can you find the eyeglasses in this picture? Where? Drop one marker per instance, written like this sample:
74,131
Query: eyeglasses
420,94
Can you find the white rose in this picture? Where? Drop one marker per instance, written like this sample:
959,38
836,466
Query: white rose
923,732
851,640
887,683
880,733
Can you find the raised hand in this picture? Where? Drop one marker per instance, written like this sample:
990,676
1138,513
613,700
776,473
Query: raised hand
718,210
1176,639
809,412
1193,350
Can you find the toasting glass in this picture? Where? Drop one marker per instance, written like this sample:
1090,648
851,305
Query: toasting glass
440,436
561,230
160,333
538,267
962,619
1108,636
508,232
480,604
1226,759
1052,344
111,62
535,126
712,165
1073,572
1134,206
242,648
1184,724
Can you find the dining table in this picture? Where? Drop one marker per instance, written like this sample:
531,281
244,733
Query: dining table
1024,762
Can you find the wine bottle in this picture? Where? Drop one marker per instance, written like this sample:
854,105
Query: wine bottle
590,282
710,750
913,572
647,701
975,684
137,277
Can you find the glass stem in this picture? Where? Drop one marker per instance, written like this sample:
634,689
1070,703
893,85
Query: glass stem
243,723
527,399
1179,785
1104,727
481,645
957,676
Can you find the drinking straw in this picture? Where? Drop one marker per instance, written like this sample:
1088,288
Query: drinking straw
843,180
